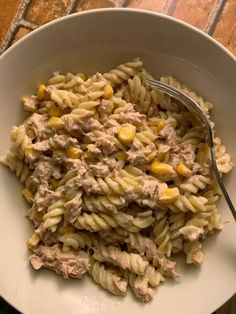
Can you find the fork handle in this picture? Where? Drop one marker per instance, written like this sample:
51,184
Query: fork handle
221,184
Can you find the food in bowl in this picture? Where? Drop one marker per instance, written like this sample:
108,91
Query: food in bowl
118,176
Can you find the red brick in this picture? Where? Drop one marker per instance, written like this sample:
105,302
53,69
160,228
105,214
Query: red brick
153,5
8,9
43,11
225,31
22,31
94,4
195,12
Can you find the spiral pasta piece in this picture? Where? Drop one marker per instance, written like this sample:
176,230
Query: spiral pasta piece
108,279
123,72
111,254
110,185
176,222
154,276
195,183
193,251
104,204
205,105
142,244
78,240
17,166
189,203
162,236
140,287
21,141
93,222
53,216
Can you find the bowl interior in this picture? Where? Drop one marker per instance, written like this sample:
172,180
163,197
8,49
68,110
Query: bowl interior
97,41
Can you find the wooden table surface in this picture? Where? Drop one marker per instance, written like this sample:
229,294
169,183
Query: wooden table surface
215,17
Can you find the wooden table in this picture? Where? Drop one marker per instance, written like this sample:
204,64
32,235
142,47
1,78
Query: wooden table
215,17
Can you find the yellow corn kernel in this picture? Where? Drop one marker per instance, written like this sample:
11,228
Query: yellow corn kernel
30,133
55,122
27,195
54,111
160,125
161,168
63,230
41,92
83,76
169,195
25,98
88,155
126,133
121,156
108,91
14,135
54,183
73,152
29,152
33,240
184,171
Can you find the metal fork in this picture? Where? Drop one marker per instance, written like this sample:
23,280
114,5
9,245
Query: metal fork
193,106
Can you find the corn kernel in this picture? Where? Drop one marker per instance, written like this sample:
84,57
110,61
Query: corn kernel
54,111
73,152
25,98
169,195
63,230
160,125
121,156
33,240
14,135
41,92
126,133
28,150
160,168
184,171
55,122
27,195
88,155
30,133
54,183
108,91
83,76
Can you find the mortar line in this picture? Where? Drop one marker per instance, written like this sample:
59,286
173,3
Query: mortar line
14,25
27,24
71,6
118,3
170,7
214,16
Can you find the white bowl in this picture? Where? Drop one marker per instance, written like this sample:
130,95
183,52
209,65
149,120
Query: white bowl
96,41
